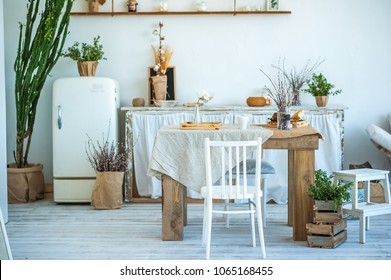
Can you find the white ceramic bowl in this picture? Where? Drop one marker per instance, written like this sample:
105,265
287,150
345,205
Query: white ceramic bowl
165,103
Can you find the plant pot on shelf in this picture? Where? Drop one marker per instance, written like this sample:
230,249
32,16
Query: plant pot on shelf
25,184
87,68
321,101
93,6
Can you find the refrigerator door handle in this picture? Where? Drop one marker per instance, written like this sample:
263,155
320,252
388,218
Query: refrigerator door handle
59,118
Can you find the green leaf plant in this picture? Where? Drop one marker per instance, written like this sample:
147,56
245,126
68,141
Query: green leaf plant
324,189
319,86
41,40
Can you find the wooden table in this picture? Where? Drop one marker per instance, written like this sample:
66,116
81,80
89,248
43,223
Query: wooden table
301,144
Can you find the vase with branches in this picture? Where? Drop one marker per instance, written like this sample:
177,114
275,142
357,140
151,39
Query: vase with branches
298,78
280,92
162,57
110,161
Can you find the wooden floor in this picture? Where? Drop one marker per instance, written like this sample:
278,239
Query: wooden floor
44,230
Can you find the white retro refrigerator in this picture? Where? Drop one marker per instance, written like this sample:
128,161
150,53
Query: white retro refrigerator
82,107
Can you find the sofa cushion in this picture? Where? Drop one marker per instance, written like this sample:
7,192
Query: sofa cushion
379,136
266,167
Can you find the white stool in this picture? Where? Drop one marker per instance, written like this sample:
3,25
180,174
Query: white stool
365,209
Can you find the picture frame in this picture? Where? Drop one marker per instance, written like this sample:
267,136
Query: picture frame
273,5
171,86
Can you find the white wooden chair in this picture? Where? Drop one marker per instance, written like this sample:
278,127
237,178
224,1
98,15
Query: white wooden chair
267,170
225,155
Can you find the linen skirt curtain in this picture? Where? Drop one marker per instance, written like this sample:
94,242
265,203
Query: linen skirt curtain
146,125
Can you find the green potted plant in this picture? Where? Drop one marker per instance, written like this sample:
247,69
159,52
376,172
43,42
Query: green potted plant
321,89
110,162
324,192
41,40
86,55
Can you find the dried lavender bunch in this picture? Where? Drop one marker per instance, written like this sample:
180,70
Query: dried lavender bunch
298,79
105,156
280,92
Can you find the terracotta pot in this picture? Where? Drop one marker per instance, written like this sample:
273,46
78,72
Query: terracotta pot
87,68
321,101
25,184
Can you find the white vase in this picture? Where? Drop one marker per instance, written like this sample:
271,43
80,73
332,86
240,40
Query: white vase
197,117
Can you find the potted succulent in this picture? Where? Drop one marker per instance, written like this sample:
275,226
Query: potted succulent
41,40
325,193
86,55
110,161
321,89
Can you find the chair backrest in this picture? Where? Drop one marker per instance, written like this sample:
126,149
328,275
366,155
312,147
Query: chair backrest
221,157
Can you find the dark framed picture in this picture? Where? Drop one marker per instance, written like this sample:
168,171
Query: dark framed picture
171,89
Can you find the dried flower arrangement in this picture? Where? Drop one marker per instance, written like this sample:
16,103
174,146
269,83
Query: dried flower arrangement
298,79
280,92
203,97
107,157
163,54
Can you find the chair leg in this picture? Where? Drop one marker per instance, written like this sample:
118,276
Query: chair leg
362,228
263,200
208,230
251,207
226,208
260,226
204,222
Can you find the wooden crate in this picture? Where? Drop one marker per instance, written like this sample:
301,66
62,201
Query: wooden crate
326,229
327,217
327,241
325,213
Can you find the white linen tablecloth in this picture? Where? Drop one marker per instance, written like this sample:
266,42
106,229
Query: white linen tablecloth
180,153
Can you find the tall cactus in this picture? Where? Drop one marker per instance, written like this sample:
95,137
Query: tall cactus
41,41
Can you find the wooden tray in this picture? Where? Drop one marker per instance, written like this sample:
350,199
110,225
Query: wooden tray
295,124
201,126
271,124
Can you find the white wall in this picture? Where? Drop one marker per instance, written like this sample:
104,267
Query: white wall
3,137
223,54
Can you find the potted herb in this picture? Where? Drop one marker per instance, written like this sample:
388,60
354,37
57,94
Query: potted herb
321,89
86,55
110,161
323,190
41,40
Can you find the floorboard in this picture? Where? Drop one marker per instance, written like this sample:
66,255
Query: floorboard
44,230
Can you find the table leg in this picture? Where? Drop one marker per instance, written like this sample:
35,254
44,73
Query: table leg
172,209
301,171
291,188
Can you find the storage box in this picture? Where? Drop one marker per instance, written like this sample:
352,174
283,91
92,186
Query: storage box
326,241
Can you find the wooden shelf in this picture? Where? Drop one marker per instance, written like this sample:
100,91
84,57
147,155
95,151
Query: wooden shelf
179,13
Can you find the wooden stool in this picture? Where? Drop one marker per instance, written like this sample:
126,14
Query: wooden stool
365,209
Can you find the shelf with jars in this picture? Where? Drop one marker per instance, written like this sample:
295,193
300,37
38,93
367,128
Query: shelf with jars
162,10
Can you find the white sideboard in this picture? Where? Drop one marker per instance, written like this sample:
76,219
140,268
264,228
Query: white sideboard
142,124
